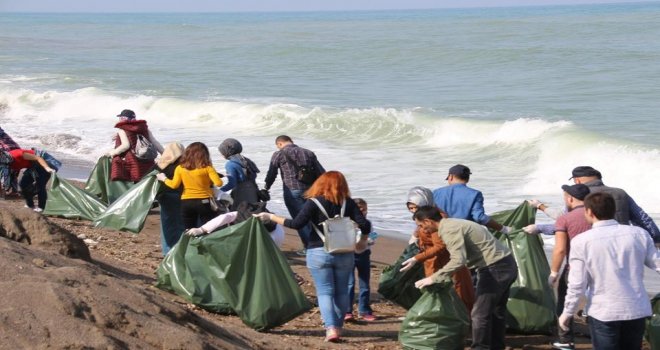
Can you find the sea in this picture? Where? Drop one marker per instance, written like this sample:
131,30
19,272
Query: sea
392,99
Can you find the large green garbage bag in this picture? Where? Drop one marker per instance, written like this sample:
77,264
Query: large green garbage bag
130,210
531,306
438,320
99,183
653,324
398,286
240,266
69,201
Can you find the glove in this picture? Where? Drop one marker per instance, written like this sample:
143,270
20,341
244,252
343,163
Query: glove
196,232
531,229
564,321
534,203
49,169
263,217
552,279
424,282
108,154
408,264
161,177
506,230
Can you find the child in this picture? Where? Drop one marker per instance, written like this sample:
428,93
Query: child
363,266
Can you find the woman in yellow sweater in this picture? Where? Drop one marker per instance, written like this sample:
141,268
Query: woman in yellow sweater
195,171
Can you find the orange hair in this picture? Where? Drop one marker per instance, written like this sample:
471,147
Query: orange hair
332,186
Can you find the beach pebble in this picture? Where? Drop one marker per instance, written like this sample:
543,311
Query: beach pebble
90,241
82,236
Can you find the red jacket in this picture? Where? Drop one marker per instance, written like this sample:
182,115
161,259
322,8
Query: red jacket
126,166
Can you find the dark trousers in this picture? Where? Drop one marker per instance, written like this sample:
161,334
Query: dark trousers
565,336
294,201
616,335
362,265
171,221
33,182
196,212
493,285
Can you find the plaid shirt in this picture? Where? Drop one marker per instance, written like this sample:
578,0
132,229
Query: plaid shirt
300,156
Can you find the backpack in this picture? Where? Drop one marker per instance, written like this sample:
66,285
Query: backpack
144,149
50,160
338,233
306,173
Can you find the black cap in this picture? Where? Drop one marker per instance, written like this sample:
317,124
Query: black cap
585,171
127,113
578,191
459,170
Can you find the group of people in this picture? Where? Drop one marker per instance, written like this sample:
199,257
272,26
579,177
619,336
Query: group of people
605,236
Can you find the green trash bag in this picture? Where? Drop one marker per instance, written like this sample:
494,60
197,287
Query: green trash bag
69,201
239,266
653,324
130,210
398,286
99,183
531,305
438,320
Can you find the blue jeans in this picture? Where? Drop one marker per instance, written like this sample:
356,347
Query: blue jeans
294,201
362,265
33,182
171,221
330,273
616,335
489,311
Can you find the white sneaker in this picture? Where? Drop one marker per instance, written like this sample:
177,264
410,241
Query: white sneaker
38,210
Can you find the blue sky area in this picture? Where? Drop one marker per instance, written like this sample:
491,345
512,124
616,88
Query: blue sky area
264,5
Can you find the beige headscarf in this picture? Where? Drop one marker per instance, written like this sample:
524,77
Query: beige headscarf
171,153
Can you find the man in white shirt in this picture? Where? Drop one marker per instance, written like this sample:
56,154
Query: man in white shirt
608,263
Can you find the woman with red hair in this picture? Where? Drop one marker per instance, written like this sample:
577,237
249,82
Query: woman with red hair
329,271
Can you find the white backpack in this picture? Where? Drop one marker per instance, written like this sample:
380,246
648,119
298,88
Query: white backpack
338,233
144,149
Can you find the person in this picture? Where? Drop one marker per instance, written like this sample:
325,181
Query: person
607,263
171,221
277,233
462,202
125,165
363,268
627,210
34,179
241,173
330,272
434,252
473,245
288,159
567,227
8,144
196,173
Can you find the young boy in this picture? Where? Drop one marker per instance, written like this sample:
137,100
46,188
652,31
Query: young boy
363,266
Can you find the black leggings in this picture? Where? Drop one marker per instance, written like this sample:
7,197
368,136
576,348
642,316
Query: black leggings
196,212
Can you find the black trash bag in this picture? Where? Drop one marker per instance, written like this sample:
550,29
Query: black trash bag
398,286
438,320
245,211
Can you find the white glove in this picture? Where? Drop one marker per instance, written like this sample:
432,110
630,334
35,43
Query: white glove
564,321
552,279
531,229
108,154
534,203
161,177
196,232
506,230
424,282
49,169
408,264
263,217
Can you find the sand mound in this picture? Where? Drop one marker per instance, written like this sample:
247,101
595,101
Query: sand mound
25,226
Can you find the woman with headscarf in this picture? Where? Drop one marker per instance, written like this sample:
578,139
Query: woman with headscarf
171,222
125,165
34,178
433,252
241,173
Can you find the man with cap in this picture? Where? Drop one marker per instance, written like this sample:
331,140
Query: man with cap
627,211
462,202
567,227
125,165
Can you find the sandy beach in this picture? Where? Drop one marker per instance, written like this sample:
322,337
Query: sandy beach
110,300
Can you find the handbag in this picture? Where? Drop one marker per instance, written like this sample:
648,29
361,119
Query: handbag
338,233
